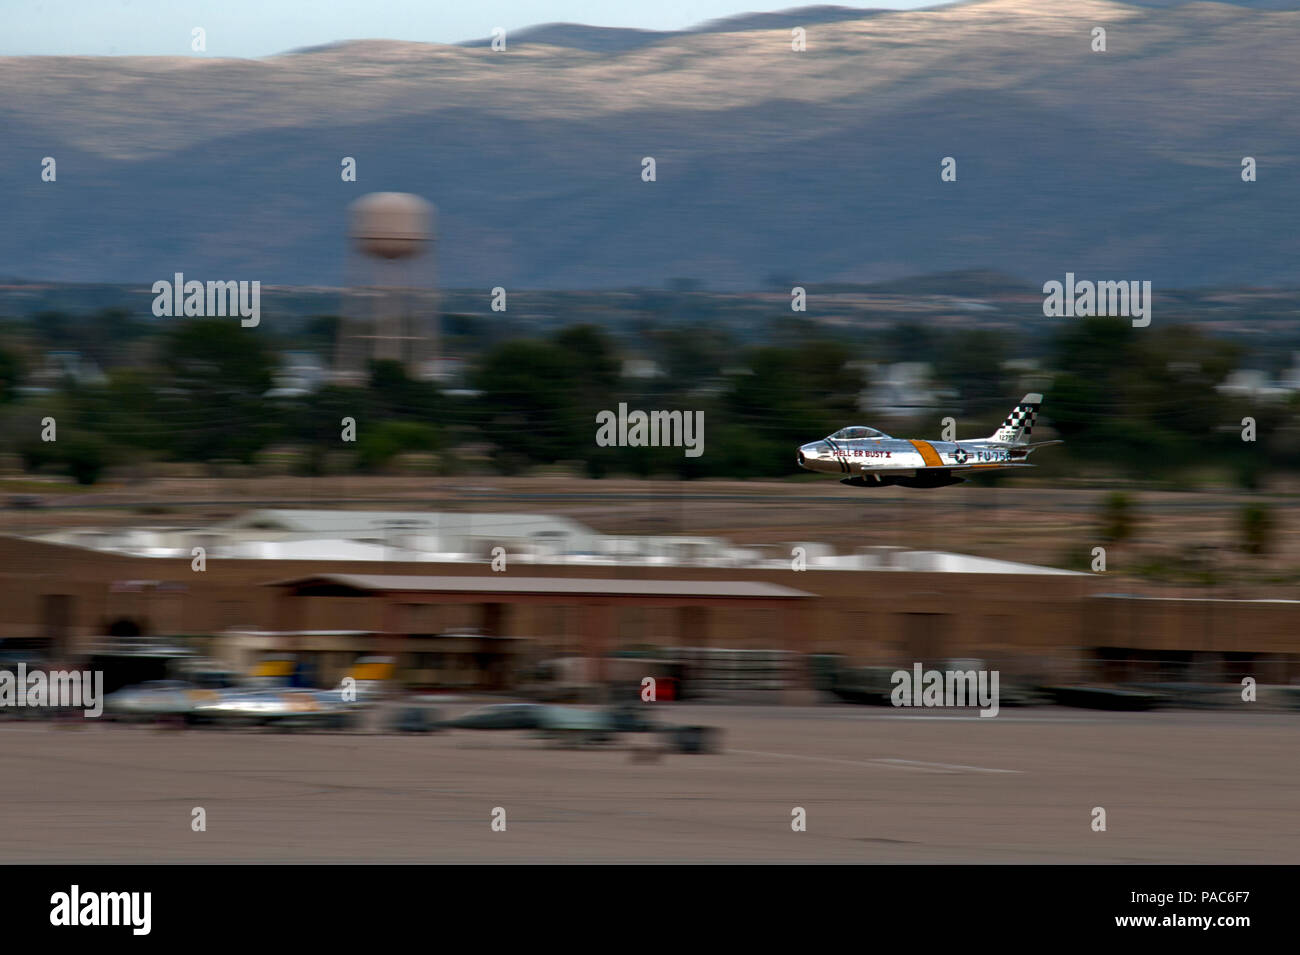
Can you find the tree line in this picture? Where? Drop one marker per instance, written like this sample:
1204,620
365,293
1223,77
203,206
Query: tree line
1140,402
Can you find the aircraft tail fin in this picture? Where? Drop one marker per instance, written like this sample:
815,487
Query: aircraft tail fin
1018,425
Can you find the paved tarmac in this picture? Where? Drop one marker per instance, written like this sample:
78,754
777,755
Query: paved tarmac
877,785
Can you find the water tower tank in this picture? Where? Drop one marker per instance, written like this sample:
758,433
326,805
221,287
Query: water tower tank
390,309
391,225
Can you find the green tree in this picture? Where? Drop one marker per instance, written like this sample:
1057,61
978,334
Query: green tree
84,456
394,395
316,420
790,396
11,375
1118,520
1145,399
378,445
591,355
124,410
217,374
528,408
1258,529
692,356
971,363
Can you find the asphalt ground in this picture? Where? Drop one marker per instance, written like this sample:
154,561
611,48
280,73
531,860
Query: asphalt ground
877,786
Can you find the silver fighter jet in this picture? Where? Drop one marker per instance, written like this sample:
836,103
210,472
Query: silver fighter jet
871,458
285,706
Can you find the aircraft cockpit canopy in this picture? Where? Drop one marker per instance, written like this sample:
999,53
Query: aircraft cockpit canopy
857,433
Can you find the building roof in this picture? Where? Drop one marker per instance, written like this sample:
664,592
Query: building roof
302,520
1205,600
930,561
385,583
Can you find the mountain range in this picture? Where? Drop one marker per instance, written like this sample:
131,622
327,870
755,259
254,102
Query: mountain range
772,166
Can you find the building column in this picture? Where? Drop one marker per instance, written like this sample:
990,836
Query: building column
492,619
391,624
792,618
597,619
692,626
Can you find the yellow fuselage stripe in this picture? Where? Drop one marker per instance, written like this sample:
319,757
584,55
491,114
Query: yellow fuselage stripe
928,454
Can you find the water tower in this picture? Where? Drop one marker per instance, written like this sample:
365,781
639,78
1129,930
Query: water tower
390,308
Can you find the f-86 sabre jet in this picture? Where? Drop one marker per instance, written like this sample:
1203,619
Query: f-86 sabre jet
871,458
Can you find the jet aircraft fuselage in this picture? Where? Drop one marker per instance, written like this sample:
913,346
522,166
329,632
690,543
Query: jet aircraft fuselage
870,458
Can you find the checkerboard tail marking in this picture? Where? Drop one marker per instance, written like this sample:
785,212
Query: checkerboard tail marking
1019,425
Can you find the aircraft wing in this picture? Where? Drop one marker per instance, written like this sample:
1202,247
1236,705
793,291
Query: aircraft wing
954,468
976,468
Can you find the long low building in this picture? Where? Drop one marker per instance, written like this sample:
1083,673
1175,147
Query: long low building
60,599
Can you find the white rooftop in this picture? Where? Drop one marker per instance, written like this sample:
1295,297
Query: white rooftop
432,536
336,522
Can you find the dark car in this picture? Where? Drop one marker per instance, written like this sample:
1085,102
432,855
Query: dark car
499,716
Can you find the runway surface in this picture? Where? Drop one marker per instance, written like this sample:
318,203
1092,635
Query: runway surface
877,785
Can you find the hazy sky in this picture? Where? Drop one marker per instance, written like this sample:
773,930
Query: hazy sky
249,28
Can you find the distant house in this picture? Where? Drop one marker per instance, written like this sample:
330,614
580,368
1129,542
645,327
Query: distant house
900,390
1258,385
445,370
300,373
60,366
640,368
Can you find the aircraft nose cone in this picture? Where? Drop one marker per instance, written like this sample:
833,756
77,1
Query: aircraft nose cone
808,451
